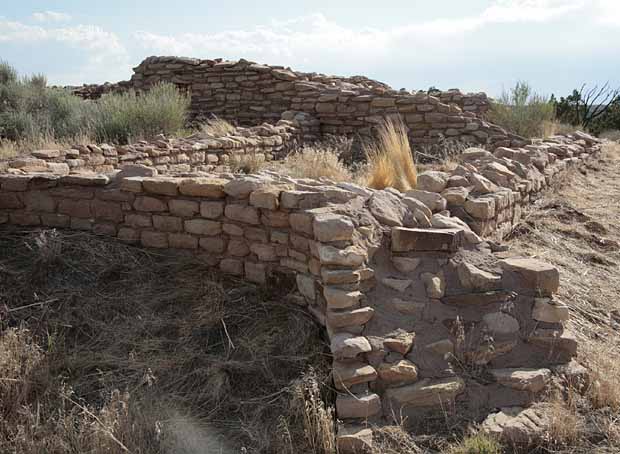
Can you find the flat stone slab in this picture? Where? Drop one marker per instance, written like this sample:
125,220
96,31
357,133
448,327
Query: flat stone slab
426,240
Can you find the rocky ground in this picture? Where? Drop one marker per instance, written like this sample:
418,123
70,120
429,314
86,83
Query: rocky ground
577,228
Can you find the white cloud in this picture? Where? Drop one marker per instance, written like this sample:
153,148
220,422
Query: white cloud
314,34
608,12
105,53
51,16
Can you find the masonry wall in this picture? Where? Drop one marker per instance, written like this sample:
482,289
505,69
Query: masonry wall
197,153
250,93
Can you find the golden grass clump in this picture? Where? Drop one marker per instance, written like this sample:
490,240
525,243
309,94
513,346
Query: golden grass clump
390,159
217,127
313,162
479,443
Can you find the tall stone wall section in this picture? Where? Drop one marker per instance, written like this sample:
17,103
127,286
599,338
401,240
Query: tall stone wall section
423,319
249,94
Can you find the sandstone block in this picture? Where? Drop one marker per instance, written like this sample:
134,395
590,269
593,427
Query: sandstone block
434,284
128,235
267,198
306,284
332,227
138,220
357,407
405,265
354,439
301,222
182,241
203,187
532,380
535,275
432,200
211,210
238,248
354,317
400,372
161,185
501,323
241,187
350,373
39,201
481,208
426,393
341,299
264,252
476,279
154,239
184,208
75,208
400,341
409,240
203,227
352,256
546,310
348,346
433,181
167,223
150,204
215,245
242,213
9,201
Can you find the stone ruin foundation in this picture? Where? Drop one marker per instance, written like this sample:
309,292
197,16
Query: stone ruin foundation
425,313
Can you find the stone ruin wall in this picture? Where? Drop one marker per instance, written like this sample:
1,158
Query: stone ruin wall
247,93
197,153
408,292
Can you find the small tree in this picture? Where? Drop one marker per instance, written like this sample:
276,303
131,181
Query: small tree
586,107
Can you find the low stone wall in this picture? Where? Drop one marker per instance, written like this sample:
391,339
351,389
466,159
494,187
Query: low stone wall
490,190
197,153
249,93
423,319
477,103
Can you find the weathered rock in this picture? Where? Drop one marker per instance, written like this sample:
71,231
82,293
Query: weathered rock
400,341
433,181
534,275
350,406
354,439
332,227
435,284
350,373
400,285
501,323
341,299
352,256
348,346
518,426
387,208
546,310
409,240
343,318
425,393
401,372
476,279
432,200
532,380
405,265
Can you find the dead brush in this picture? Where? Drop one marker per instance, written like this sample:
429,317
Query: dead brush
165,329
316,162
248,163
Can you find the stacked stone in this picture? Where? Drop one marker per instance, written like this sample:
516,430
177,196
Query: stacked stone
477,103
464,313
490,190
407,293
199,152
251,93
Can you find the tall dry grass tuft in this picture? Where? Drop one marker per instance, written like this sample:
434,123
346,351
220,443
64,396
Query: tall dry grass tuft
217,127
390,159
479,443
565,425
316,162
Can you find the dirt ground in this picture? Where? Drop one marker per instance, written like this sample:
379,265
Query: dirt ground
577,228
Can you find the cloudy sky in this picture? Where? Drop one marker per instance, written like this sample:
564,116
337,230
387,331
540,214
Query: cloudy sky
475,45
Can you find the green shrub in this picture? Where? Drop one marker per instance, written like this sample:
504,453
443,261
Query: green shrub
129,116
522,111
31,112
477,444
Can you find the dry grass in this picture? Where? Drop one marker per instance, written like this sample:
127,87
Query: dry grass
554,127
316,162
10,149
577,229
107,346
612,134
217,127
247,162
390,159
